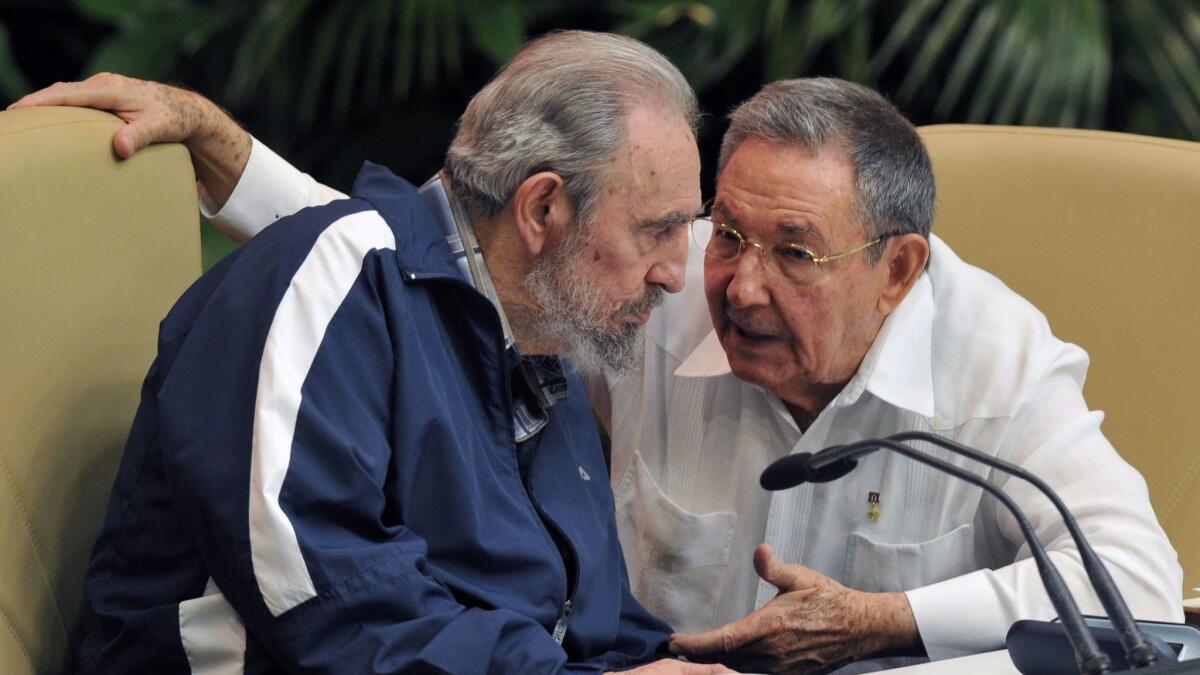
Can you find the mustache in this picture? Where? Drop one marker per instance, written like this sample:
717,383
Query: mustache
758,321
652,298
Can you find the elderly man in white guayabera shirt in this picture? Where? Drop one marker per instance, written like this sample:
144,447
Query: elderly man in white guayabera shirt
819,310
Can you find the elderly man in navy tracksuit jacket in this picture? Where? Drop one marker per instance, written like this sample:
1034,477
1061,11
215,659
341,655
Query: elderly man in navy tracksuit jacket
334,484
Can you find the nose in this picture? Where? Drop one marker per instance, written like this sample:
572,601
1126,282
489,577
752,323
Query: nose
669,270
747,287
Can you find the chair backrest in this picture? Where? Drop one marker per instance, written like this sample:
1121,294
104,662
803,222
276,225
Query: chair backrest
93,251
1101,232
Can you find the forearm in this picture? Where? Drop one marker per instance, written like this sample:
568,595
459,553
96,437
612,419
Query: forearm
267,189
890,629
220,149
973,612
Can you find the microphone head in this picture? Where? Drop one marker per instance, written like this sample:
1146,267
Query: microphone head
787,472
834,470
793,470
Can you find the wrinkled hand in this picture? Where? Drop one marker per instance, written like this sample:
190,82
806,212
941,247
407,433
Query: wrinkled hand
157,113
675,667
813,625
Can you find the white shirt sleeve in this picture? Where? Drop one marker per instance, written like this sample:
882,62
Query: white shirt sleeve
1060,441
269,189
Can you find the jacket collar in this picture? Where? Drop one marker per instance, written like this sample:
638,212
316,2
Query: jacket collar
421,246
897,367
434,239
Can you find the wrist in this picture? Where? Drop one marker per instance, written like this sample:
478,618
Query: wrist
219,147
891,625
208,124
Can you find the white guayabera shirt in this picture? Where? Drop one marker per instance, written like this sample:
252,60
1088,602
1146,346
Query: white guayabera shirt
962,356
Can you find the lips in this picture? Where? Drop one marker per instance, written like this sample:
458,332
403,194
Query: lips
754,326
638,312
751,335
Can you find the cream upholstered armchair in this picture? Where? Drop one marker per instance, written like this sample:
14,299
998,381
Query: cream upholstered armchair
1099,230
93,251
1102,232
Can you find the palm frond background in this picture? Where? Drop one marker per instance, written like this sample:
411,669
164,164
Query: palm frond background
332,83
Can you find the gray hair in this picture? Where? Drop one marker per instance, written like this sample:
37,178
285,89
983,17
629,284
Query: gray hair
560,105
894,179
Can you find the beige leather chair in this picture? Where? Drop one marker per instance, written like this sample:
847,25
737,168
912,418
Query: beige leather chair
93,251
1102,232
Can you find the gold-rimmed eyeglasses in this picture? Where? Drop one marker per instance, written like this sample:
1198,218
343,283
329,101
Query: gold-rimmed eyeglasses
787,259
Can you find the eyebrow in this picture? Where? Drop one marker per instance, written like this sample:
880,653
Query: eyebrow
675,218
792,230
728,216
786,229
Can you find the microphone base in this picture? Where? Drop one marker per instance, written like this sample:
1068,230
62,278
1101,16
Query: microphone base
1189,667
1042,648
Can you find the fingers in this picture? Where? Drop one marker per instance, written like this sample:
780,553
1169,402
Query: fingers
783,576
763,557
155,113
105,91
138,134
716,643
125,142
708,669
685,668
675,667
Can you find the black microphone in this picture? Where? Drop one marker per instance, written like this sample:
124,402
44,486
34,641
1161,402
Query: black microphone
1088,655
1138,652
795,469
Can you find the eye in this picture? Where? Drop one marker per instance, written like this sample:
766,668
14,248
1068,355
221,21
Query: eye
662,231
727,234
670,229
792,253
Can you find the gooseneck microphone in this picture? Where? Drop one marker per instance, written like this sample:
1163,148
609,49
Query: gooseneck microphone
835,462
793,470
1138,652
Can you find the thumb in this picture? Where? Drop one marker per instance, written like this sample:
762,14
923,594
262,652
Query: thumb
780,575
144,129
127,140
710,669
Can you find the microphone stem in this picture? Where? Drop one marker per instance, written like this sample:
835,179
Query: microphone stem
1091,660
1138,651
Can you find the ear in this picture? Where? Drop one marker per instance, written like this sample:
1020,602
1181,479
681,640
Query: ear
541,210
903,262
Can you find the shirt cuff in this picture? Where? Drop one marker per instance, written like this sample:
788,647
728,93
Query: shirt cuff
268,189
959,616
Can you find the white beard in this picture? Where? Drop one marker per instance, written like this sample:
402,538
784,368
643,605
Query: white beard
573,312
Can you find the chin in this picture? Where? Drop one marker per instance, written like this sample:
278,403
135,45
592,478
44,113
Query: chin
754,371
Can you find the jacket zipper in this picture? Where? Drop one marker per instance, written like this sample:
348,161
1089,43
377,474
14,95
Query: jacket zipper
561,542
570,564
560,626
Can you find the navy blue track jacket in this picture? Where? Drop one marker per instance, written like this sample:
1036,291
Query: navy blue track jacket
322,476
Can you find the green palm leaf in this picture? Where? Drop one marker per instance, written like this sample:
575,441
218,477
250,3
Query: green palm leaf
13,84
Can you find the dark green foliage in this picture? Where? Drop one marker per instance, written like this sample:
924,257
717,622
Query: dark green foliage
331,83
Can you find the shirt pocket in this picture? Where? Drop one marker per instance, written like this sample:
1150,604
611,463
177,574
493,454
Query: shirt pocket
676,559
874,566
